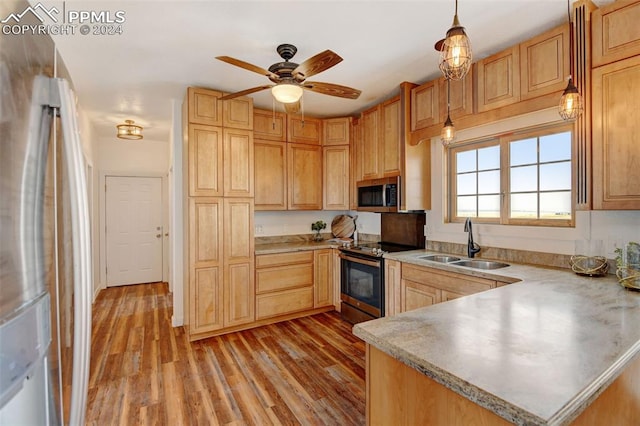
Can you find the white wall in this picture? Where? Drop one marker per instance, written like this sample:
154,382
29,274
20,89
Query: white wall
272,223
117,157
609,226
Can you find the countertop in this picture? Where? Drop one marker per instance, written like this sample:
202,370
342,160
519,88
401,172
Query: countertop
288,247
535,352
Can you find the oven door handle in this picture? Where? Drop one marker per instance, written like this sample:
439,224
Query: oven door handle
372,263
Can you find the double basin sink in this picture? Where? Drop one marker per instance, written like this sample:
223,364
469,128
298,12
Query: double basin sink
468,263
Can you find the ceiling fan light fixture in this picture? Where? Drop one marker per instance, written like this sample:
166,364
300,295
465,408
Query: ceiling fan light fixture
286,93
455,51
129,130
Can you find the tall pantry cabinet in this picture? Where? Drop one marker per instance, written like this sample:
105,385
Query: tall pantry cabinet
219,188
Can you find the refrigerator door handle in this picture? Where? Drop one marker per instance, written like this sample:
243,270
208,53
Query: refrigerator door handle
81,237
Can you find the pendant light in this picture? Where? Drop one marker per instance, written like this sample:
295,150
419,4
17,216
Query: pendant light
448,133
455,51
571,103
129,130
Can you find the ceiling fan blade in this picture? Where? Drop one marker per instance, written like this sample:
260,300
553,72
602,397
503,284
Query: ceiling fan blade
316,64
332,89
245,92
292,108
247,66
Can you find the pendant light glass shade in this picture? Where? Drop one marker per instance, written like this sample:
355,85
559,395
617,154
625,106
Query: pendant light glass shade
286,93
129,130
448,133
455,51
571,104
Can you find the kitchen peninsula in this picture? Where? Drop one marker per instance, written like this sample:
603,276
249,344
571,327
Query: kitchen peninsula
552,349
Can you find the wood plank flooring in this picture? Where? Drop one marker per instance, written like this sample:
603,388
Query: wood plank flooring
143,371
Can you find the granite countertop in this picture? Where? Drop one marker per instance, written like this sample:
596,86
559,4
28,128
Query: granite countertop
536,352
288,247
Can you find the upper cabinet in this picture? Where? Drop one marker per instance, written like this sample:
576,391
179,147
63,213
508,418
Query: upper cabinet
368,153
425,104
304,130
269,125
616,32
390,137
460,97
304,177
204,106
238,162
238,113
205,161
270,175
499,79
336,131
544,63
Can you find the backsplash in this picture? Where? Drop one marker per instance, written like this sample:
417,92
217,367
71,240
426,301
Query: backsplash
301,238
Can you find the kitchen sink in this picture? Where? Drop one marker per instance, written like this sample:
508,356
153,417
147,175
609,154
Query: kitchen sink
440,258
480,264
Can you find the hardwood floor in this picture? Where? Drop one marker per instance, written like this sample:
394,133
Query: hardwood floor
143,371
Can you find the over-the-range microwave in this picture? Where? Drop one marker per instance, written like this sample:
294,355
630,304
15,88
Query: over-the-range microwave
379,195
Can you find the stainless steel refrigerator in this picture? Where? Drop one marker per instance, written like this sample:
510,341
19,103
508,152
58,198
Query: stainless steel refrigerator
45,279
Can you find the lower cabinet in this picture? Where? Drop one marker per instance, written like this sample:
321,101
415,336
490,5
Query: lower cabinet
323,278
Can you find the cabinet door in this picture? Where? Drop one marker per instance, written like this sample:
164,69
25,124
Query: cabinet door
336,177
323,279
499,80
205,299
355,163
204,106
270,175
415,295
425,105
392,287
269,125
304,176
460,97
238,163
544,63
239,294
337,276
616,32
336,131
391,135
238,113
369,154
308,131
205,161
616,135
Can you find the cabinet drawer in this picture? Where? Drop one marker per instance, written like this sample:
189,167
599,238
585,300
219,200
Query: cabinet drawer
448,281
284,302
267,260
284,277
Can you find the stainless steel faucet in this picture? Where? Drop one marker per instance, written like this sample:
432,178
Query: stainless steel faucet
472,248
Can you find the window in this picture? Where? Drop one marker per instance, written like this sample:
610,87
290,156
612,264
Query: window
521,178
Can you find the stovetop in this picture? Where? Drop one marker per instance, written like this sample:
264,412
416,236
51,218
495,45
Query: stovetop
376,249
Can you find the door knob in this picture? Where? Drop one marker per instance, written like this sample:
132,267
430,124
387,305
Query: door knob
158,235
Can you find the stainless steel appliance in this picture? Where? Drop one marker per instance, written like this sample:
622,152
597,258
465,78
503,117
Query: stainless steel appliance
45,281
379,195
362,285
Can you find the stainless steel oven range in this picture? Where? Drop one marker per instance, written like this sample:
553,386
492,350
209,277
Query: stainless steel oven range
362,284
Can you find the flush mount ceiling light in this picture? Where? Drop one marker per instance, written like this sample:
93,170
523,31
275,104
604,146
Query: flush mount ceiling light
571,104
448,133
129,130
455,51
287,93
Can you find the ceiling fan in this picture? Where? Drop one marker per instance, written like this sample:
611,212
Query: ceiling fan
290,78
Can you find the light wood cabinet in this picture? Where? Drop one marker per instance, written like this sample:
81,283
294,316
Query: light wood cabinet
335,161
544,63
425,105
460,99
336,131
355,165
304,177
616,135
269,125
391,137
204,106
415,295
368,155
323,278
238,113
205,166
270,175
307,130
337,277
238,163
392,298
616,32
499,79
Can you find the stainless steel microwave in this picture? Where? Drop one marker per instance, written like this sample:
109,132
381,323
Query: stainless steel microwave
379,195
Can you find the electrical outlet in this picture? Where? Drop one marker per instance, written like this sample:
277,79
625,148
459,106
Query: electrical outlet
259,230
427,230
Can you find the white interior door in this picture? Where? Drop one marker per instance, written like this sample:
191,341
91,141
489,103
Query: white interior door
134,230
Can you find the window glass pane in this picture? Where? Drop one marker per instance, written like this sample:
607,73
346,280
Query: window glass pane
489,182
524,179
466,161
489,206
555,176
467,184
555,147
524,206
489,158
467,206
555,205
524,152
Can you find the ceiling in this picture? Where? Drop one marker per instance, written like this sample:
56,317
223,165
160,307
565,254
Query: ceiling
167,46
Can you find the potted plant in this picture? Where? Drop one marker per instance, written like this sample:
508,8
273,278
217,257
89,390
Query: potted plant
318,226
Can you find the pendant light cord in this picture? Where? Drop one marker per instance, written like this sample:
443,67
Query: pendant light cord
570,39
